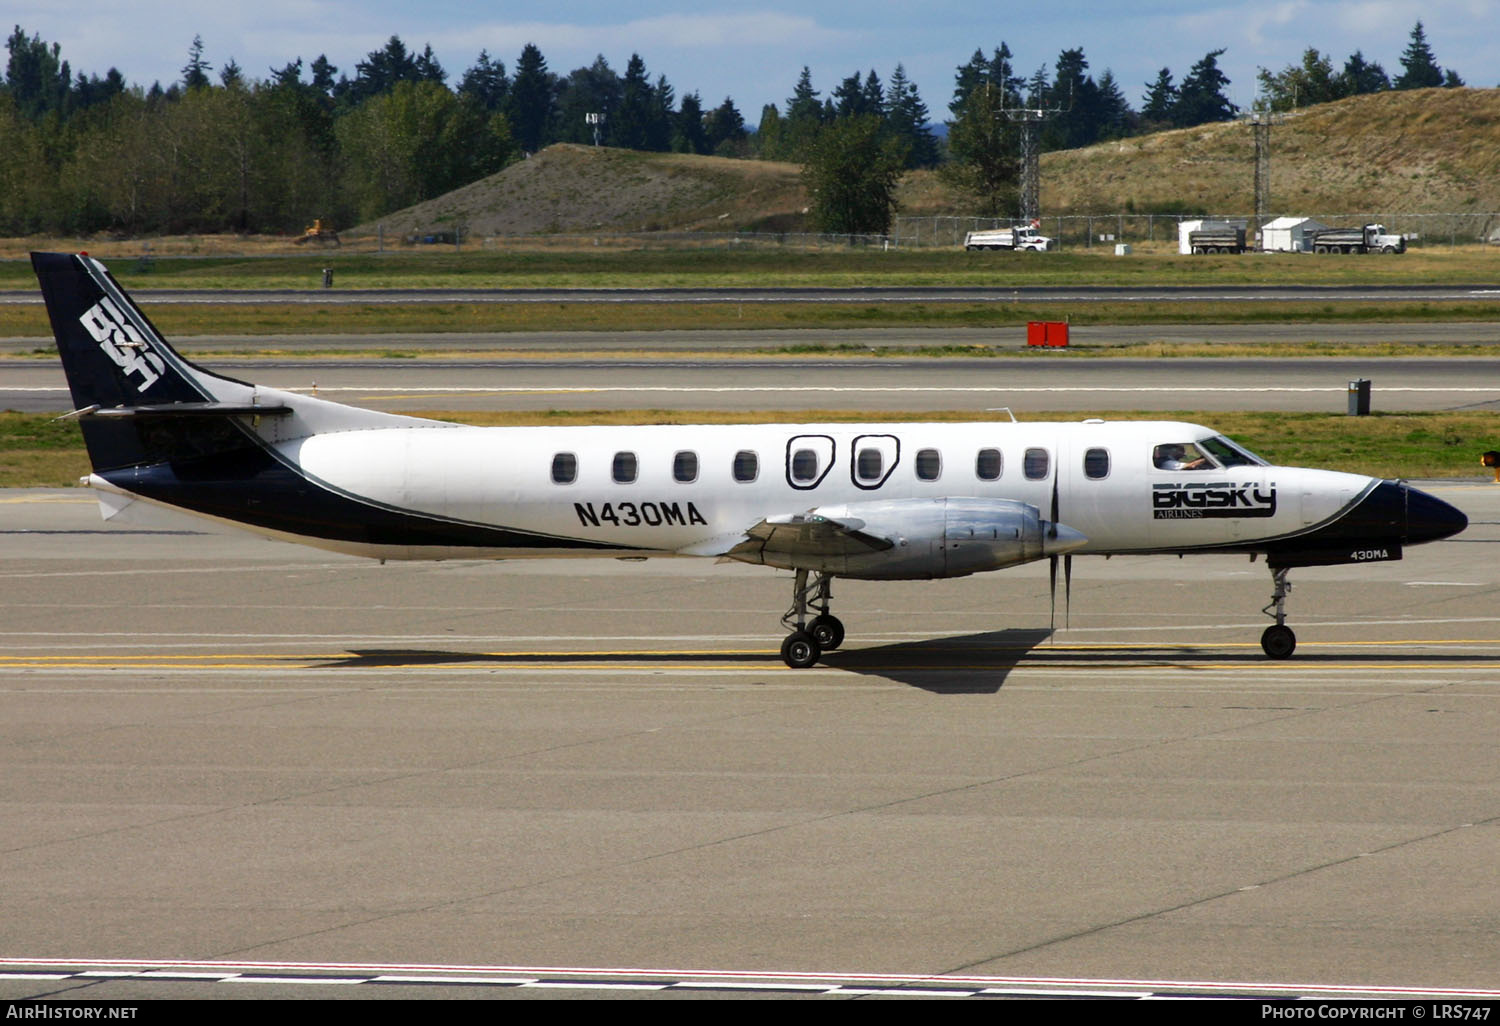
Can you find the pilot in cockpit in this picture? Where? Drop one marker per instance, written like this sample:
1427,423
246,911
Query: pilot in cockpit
1180,456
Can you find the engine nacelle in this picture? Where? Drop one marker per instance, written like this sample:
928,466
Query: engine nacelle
919,539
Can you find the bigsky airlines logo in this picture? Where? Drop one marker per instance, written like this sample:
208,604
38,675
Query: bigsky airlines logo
1200,499
122,343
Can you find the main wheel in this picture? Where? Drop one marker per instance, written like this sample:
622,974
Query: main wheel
1278,641
828,631
800,650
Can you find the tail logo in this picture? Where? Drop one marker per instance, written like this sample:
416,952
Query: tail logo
122,343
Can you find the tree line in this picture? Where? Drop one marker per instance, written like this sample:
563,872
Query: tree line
222,150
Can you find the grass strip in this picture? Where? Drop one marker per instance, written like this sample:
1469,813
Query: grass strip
513,263
274,320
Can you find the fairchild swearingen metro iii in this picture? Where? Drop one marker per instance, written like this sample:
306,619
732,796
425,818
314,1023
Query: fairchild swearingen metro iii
870,501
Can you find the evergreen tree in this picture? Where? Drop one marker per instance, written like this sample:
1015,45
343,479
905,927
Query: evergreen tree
1419,69
724,128
36,76
195,71
805,114
632,123
231,76
1116,119
1313,81
1160,103
849,98
530,106
688,132
1360,77
485,83
873,94
426,67
591,90
1077,97
322,77
995,74
661,124
906,115
1201,99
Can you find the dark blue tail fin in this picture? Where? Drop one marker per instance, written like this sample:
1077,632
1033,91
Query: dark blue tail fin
123,375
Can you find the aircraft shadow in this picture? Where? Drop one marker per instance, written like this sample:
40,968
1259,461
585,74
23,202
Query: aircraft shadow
970,664
961,664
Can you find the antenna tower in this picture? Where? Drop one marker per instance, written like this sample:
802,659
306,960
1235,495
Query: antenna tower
1030,119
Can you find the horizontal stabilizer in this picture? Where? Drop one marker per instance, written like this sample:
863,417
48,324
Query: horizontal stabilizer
190,410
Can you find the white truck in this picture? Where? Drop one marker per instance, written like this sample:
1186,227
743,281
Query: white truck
1372,238
1022,236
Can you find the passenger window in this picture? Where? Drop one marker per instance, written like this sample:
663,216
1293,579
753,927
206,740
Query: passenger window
564,468
804,466
1036,464
746,466
868,465
685,467
988,466
1096,464
624,467
929,465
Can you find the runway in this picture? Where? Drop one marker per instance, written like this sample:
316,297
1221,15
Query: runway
259,763
695,382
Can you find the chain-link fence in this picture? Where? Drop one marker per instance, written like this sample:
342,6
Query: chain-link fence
1073,231
1088,230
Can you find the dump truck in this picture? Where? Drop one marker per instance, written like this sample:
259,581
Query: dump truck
1372,238
1022,236
1225,239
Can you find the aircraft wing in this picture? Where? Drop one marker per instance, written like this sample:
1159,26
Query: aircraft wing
797,534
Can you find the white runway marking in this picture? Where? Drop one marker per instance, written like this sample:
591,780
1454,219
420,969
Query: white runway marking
641,978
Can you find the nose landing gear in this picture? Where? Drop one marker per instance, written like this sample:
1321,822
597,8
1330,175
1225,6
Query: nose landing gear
1278,641
810,638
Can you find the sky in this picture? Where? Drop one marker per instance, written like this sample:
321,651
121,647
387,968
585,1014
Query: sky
754,52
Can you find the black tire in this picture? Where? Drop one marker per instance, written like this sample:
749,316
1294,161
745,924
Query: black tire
1278,641
800,650
828,631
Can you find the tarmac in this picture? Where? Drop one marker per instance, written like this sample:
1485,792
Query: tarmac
226,760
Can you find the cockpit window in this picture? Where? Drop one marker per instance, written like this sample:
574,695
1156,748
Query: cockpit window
1180,456
1229,454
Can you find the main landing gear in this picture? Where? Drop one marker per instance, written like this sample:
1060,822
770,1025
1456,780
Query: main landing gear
810,638
1278,641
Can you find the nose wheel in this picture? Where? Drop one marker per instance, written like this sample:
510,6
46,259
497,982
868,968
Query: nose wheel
1278,641
810,638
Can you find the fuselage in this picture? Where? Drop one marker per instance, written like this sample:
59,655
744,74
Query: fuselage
669,489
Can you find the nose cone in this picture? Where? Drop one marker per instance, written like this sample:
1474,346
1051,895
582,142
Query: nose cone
1429,518
1060,539
1395,510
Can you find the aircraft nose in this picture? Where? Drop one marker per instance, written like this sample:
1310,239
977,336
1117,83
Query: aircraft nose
1429,518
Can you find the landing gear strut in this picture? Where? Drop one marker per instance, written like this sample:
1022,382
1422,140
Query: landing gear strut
810,638
1278,641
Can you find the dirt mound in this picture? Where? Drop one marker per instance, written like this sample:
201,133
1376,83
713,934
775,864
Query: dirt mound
569,188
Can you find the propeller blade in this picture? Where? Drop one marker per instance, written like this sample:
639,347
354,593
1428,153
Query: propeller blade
1052,582
1067,590
1052,527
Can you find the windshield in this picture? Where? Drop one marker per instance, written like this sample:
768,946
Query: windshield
1229,454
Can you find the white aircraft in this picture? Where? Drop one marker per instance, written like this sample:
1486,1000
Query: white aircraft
867,501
